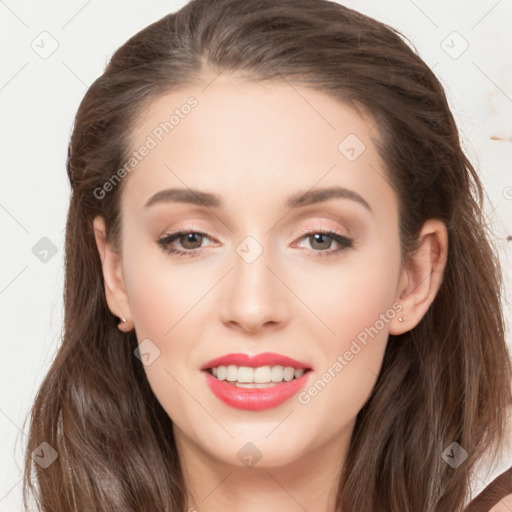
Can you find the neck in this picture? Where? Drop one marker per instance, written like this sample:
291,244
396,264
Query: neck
306,483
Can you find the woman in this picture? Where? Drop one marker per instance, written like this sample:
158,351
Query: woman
280,288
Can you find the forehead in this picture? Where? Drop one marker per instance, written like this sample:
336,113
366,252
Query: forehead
252,139
252,108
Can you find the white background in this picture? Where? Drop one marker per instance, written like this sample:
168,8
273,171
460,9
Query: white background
39,97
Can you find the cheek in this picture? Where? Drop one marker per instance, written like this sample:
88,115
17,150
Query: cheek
160,293
165,298
162,299
353,294
355,304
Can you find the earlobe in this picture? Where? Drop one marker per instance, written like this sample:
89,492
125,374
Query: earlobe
115,292
421,279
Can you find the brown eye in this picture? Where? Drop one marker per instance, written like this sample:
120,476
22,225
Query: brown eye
191,240
183,242
320,242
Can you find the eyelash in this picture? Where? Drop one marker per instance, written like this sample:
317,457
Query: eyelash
343,241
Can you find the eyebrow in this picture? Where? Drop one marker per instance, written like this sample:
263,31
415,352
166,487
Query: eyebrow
297,200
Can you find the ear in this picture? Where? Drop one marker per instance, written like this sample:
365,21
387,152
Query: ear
117,298
422,276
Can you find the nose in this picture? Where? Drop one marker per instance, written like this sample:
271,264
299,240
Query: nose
253,296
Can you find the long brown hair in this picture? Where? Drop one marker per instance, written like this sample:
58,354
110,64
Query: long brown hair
446,381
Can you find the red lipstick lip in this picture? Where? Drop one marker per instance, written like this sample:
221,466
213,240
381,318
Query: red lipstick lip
255,361
255,399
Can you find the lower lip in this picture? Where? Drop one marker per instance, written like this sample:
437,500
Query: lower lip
254,399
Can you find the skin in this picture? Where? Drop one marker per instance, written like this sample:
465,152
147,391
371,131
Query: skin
254,145
504,505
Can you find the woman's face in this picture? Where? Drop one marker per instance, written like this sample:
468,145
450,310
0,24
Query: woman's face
262,278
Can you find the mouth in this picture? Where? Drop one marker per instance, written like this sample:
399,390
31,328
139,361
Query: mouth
237,386
256,378
255,382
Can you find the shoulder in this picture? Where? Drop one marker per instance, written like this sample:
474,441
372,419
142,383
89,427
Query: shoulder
496,497
504,505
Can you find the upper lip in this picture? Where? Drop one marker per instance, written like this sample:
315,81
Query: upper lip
255,361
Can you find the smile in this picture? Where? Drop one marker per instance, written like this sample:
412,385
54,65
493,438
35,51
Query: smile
255,396
260,377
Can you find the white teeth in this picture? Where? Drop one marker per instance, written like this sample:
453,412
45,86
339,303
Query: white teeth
277,373
232,372
245,374
263,375
289,373
255,385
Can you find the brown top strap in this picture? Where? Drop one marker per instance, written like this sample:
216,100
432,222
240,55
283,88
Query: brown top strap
500,487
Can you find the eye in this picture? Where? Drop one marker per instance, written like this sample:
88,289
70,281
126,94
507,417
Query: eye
320,242
189,240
